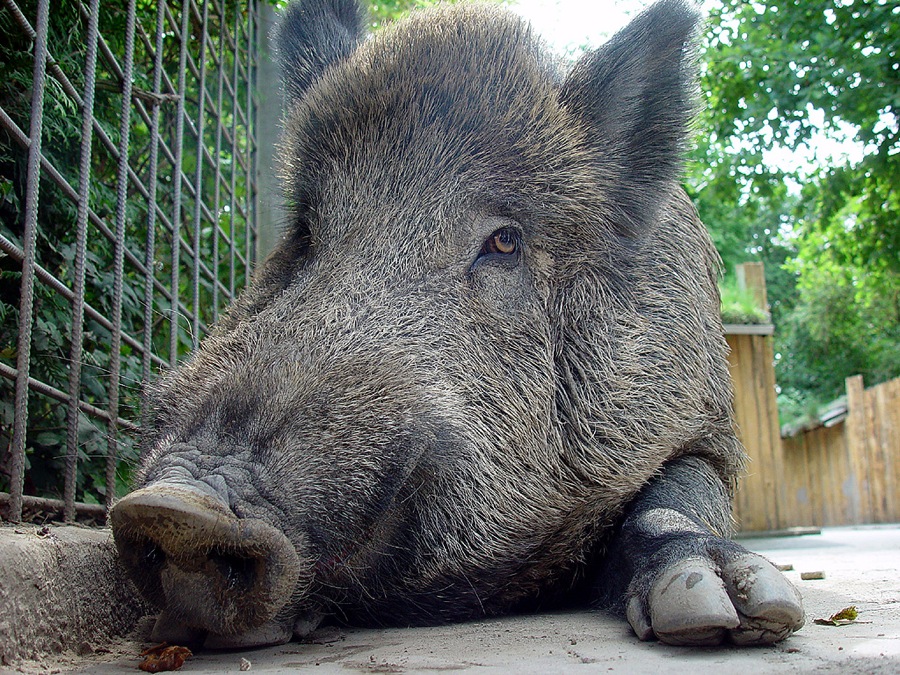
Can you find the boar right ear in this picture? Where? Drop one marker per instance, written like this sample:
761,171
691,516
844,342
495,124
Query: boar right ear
314,34
636,93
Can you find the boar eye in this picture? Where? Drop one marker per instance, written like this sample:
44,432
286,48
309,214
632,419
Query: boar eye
504,243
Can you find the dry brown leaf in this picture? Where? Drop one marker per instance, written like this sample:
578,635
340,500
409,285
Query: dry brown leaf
164,657
842,618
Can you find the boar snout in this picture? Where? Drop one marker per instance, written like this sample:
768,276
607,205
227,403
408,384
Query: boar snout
208,569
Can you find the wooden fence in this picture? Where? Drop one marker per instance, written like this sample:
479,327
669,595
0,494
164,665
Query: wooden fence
847,473
759,499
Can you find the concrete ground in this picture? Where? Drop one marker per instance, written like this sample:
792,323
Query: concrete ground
860,565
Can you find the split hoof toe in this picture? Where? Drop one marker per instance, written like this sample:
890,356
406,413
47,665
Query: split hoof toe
690,606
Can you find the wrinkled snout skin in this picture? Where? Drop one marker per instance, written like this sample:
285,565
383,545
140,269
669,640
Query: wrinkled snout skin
483,370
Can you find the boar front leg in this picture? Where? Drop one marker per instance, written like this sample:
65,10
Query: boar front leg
679,579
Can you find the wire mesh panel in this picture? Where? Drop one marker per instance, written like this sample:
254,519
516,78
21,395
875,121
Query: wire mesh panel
128,209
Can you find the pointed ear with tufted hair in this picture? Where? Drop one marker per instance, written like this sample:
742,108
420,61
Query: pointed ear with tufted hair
314,34
637,94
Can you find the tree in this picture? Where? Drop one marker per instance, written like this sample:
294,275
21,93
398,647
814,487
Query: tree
797,76
390,10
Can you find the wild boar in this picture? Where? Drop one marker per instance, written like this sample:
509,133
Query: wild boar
484,369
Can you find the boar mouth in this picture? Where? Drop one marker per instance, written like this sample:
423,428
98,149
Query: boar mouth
210,570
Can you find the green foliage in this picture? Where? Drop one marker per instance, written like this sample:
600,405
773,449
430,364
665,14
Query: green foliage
844,323
391,10
740,307
789,75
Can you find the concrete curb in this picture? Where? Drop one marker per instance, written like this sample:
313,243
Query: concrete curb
61,588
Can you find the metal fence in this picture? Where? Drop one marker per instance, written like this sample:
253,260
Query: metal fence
128,218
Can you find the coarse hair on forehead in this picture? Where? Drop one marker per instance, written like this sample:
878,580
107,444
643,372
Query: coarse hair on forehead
461,67
468,97
456,92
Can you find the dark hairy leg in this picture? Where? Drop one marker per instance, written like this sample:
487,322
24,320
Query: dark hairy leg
678,577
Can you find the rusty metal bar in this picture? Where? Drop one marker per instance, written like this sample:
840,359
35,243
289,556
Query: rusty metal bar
26,300
115,349
250,194
176,214
77,335
44,505
150,244
232,240
198,181
220,70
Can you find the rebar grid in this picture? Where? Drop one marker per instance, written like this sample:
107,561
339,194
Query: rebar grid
128,217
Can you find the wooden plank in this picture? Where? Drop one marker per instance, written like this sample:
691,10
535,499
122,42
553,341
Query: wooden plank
820,470
886,446
770,503
797,512
817,487
875,453
849,484
753,501
758,467
743,497
793,489
856,444
835,447
817,484
809,513
832,495
892,435
765,370
740,510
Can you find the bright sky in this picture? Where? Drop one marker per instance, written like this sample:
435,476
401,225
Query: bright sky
569,25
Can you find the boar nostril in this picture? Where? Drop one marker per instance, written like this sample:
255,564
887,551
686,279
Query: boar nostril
153,556
238,572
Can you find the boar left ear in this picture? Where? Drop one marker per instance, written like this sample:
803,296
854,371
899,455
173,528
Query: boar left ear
637,95
314,34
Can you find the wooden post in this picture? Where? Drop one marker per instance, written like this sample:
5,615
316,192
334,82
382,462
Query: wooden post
751,276
856,447
761,497
891,426
879,400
